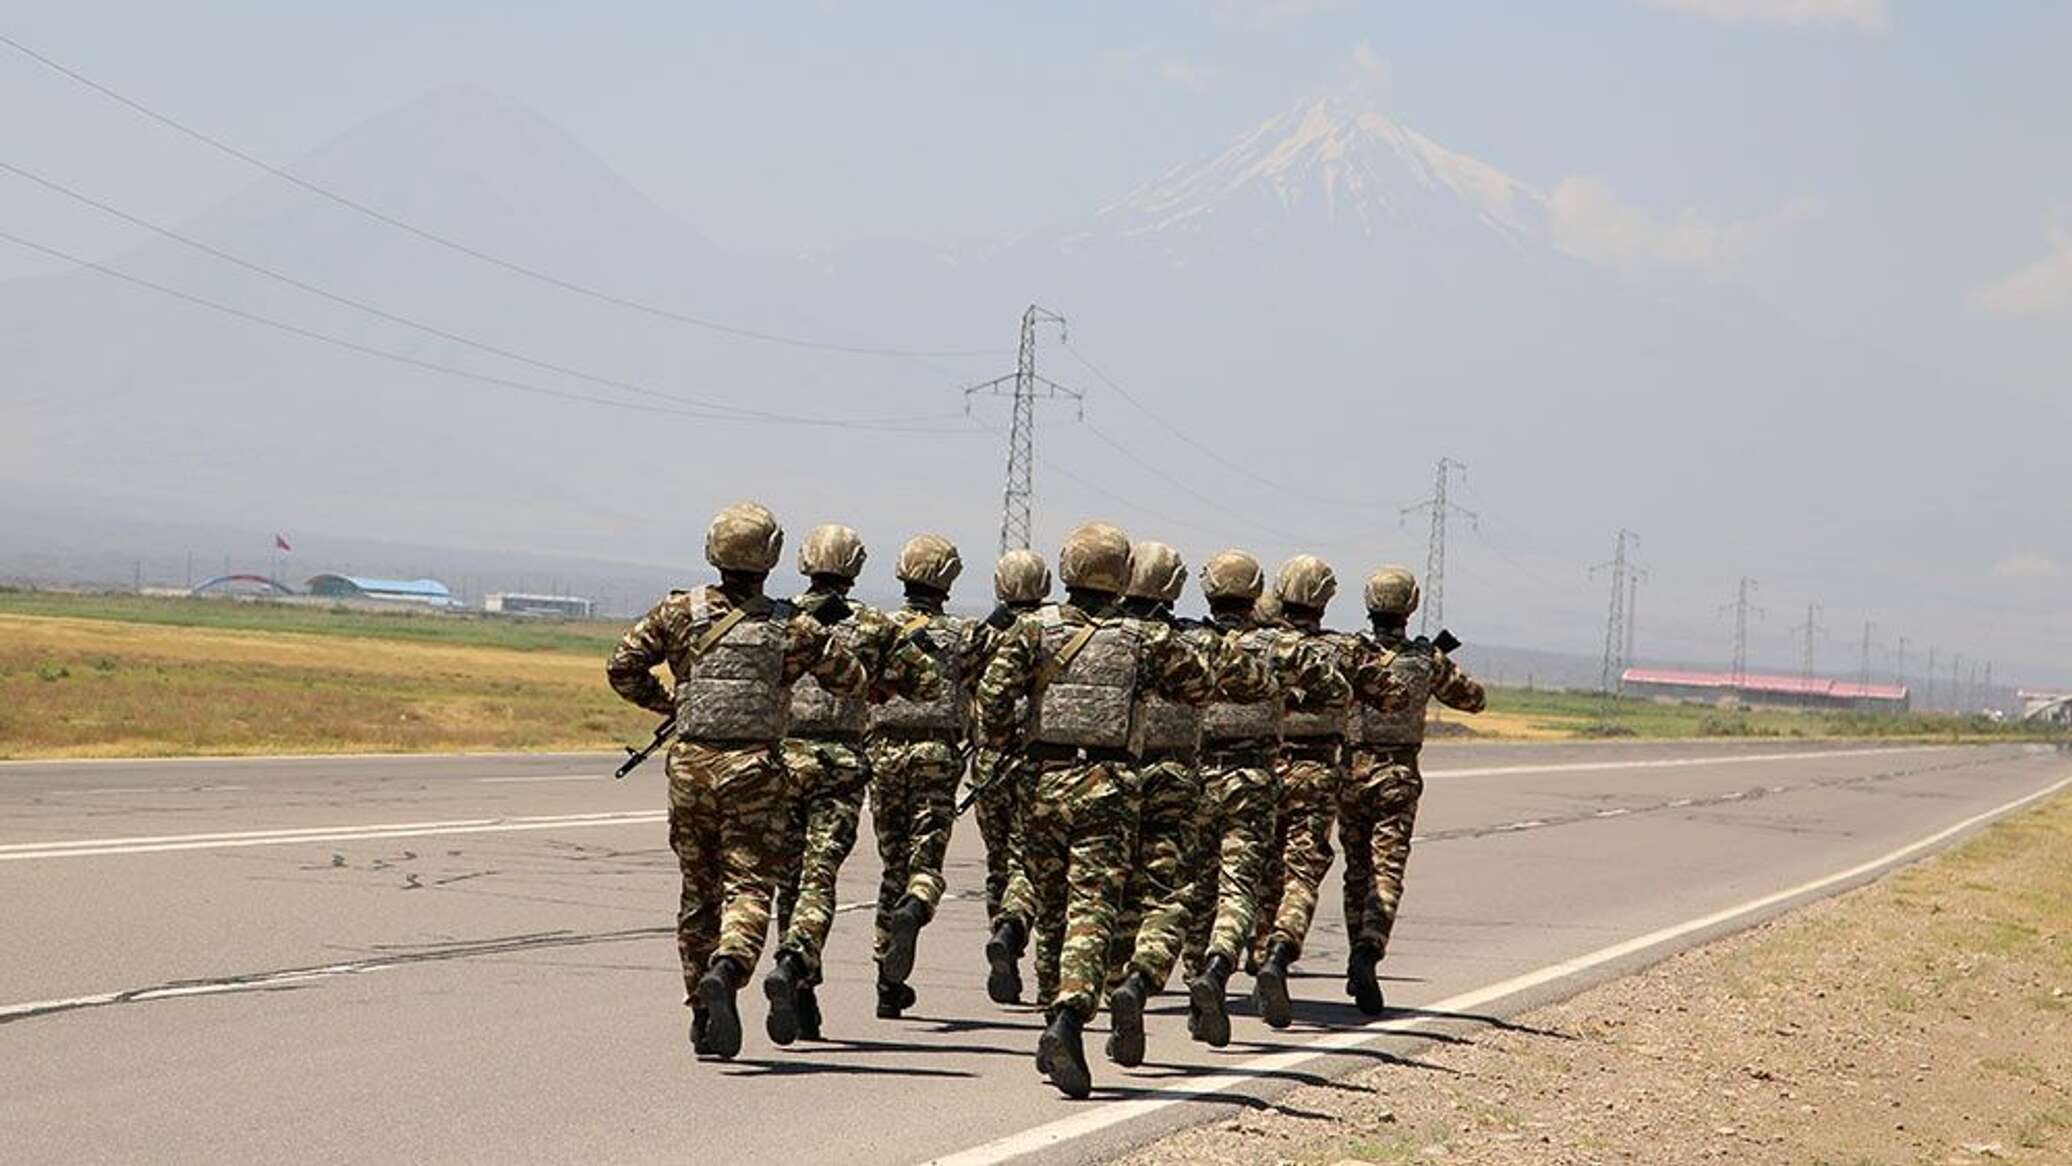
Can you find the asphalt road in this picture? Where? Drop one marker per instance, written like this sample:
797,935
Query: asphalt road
469,958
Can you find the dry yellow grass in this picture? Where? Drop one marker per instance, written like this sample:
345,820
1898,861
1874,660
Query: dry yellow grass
76,687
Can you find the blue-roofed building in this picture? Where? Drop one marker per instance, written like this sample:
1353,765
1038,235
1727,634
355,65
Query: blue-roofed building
429,592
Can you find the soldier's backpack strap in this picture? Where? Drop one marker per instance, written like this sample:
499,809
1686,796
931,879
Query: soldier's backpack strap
914,623
717,632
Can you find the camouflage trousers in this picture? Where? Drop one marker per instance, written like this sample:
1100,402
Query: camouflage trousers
1300,856
1236,831
1376,812
828,781
998,810
1076,833
913,791
726,825
1164,865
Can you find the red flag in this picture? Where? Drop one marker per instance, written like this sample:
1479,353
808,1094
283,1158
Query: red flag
281,544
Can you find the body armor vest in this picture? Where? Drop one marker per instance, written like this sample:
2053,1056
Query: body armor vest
735,691
1415,668
1090,701
1325,724
816,712
943,640
1165,725
1226,722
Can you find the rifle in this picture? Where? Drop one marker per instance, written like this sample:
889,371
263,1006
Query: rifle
634,757
1009,761
1446,641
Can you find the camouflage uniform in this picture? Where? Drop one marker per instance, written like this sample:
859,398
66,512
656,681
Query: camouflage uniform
1308,771
916,760
830,771
998,805
728,790
1378,806
1082,801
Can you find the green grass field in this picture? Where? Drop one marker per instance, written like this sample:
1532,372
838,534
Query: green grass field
1581,714
467,630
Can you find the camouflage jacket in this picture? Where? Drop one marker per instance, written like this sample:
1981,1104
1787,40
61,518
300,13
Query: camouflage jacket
1311,714
1405,675
1166,664
666,634
957,648
1281,669
894,664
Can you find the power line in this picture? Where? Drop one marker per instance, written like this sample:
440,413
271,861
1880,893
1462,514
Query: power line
434,330
474,253
1227,462
1610,685
1742,609
1434,616
1812,628
415,362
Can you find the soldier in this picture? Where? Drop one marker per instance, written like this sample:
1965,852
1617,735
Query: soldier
733,655
1240,737
1080,667
1165,857
1378,806
917,754
1021,582
1310,769
829,771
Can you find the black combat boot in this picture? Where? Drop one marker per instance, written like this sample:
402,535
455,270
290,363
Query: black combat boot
1061,1055
1004,953
786,980
1270,985
716,991
893,999
1126,1016
1208,1019
905,927
809,1013
1361,983
701,1020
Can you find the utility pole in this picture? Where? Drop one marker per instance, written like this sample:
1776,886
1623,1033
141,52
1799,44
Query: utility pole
1928,695
1741,607
1863,667
1633,578
1611,680
1986,695
1956,687
1433,616
1899,670
1812,628
1024,385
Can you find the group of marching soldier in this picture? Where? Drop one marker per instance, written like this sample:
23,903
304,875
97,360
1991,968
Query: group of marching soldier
1154,792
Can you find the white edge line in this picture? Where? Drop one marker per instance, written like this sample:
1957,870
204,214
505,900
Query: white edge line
1113,1113
1677,762
95,848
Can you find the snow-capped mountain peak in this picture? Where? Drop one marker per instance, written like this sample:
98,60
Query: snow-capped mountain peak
1336,157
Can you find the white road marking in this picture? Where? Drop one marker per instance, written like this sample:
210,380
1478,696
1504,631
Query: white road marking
1099,1117
543,777
172,992
89,847
1674,762
1610,813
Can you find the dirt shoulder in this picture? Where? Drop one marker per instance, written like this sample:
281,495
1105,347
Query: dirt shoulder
1926,1018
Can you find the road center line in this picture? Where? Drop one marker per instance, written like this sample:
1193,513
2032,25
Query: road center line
1107,1114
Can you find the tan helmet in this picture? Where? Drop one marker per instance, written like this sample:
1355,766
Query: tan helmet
1232,574
1096,556
1021,577
833,549
744,537
1156,572
1392,590
930,560
1305,581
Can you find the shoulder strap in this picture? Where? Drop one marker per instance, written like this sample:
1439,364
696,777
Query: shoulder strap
717,632
915,623
1056,665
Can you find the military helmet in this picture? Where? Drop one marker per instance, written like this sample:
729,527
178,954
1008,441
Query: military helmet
744,537
1392,590
833,549
1156,572
1232,575
930,560
1305,581
1096,556
1021,577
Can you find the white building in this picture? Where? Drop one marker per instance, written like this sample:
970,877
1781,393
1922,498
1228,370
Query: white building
558,606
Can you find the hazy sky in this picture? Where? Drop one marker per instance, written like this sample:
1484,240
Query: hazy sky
1892,177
